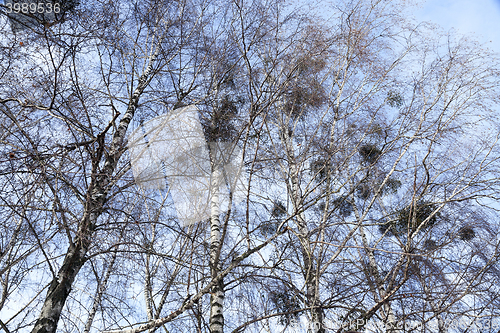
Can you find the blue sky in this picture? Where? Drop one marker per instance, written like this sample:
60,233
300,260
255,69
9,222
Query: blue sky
479,18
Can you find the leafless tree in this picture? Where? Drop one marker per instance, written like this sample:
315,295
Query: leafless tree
371,164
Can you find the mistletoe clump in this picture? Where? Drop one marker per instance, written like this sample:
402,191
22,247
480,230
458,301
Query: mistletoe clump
420,215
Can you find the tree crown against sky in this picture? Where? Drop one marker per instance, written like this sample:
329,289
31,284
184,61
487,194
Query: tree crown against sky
371,169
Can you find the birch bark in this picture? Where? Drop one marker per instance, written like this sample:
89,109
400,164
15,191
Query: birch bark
217,292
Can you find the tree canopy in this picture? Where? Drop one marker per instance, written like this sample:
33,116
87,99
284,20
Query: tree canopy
365,144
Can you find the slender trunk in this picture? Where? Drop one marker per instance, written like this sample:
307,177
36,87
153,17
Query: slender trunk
310,269
217,292
310,273
99,292
373,270
148,287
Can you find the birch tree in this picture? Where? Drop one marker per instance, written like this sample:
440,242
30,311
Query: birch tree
357,171
80,169
369,147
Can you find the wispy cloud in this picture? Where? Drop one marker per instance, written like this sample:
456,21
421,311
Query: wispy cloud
479,18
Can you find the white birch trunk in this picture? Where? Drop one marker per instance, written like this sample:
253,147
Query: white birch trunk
310,269
98,295
389,316
217,292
